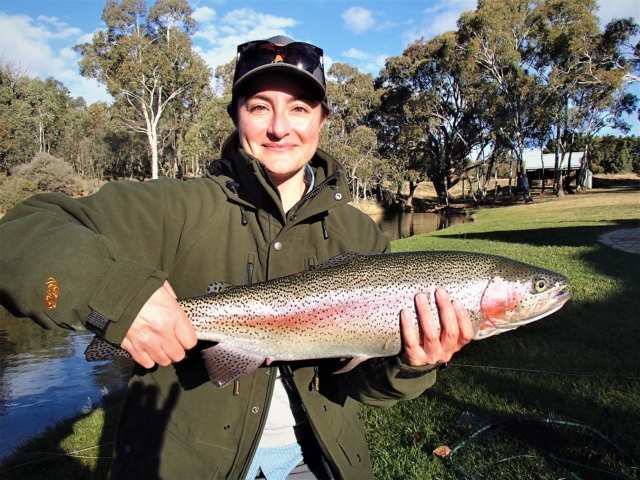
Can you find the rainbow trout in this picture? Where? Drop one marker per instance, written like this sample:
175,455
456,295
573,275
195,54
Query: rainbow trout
349,307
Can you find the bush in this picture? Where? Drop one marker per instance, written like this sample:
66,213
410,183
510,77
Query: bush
45,173
50,174
14,190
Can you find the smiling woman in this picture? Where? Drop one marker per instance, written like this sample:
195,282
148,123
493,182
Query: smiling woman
273,205
280,124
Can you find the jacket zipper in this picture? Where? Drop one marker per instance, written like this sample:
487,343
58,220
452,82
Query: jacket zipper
286,376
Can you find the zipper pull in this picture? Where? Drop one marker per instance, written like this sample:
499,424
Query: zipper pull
236,388
316,379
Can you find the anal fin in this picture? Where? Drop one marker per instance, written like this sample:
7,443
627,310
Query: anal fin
355,361
225,364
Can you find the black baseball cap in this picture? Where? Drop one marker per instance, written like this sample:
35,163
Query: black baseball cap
256,58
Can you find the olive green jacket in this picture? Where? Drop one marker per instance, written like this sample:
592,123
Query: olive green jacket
64,260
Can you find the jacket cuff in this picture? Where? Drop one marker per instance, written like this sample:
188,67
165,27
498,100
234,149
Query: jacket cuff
408,371
121,295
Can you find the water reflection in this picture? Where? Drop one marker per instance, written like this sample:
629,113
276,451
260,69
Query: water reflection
44,378
404,225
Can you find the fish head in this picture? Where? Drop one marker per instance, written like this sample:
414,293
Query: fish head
517,295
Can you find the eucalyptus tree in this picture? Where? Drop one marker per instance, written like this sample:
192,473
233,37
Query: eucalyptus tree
146,62
583,71
16,142
211,126
502,38
604,101
349,136
431,113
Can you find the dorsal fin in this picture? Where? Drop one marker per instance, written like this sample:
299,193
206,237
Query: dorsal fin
340,259
218,287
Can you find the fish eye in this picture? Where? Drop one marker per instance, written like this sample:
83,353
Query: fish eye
540,284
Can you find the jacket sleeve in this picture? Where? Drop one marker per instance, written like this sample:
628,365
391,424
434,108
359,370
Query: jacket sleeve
382,382
62,259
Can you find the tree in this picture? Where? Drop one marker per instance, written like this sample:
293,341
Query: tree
350,138
434,105
16,144
146,62
583,71
212,125
501,38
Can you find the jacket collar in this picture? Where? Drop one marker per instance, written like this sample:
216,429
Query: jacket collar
251,183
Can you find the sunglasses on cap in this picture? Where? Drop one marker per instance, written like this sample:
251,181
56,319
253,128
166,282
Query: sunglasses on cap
258,53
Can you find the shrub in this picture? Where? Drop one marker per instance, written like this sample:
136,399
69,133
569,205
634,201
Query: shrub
14,190
45,173
50,174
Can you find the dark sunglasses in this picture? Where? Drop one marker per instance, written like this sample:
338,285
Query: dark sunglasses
258,53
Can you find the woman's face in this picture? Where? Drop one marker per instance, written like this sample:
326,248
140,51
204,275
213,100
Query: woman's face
279,124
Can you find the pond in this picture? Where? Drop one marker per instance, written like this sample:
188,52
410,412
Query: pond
404,225
44,377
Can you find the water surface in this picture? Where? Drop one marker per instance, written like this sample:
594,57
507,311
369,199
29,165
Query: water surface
44,378
404,225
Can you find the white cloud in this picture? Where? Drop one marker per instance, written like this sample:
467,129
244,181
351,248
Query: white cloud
203,14
62,29
236,27
42,48
438,19
358,19
355,53
366,62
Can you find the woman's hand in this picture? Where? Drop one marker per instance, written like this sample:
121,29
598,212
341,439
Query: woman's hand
162,332
434,343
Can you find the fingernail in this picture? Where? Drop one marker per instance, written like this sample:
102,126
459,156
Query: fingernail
442,294
422,298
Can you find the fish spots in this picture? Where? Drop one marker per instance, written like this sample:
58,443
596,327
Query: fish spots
350,308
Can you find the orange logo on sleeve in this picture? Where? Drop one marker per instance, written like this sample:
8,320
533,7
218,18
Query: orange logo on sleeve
51,298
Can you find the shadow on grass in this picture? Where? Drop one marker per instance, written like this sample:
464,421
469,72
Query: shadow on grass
43,458
568,236
595,336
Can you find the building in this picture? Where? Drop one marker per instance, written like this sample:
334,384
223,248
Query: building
540,166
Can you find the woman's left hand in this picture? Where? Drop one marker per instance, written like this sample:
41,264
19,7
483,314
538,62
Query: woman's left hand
434,343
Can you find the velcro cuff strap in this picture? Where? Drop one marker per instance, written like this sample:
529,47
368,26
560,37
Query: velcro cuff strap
97,323
124,290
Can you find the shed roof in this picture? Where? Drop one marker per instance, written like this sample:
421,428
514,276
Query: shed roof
533,161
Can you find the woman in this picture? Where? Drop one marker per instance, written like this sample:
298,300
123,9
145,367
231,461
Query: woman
273,205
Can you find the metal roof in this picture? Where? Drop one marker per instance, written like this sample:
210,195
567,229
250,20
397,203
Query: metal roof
533,160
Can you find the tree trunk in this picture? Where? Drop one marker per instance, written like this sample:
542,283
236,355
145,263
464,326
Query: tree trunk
412,190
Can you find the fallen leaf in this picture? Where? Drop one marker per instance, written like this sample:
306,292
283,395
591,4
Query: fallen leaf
442,451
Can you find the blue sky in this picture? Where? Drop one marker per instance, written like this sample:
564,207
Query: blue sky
38,35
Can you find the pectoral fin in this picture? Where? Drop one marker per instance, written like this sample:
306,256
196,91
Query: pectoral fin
99,349
225,364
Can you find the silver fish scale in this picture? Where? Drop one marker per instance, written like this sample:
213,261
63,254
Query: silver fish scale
347,308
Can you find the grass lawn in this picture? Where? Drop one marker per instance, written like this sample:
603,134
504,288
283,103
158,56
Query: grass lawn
582,364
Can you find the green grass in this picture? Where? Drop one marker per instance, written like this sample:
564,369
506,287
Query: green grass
581,364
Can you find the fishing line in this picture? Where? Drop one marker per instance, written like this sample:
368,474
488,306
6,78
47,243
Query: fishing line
551,372
548,421
57,455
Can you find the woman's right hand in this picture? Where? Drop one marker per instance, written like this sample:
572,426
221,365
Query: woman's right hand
162,332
